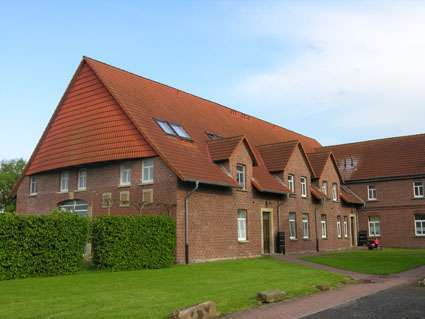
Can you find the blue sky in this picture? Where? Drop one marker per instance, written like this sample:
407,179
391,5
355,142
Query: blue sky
339,72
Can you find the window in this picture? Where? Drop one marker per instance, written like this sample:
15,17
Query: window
338,226
292,226
240,175
106,200
241,224
303,186
165,127
124,199
325,188
371,192
76,205
125,175
374,226
345,227
291,183
212,136
420,225
306,231
82,180
334,192
64,181
147,196
180,131
418,189
323,225
147,171
33,185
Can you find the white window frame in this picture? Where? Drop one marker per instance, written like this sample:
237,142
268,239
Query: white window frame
372,225
303,181
147,192
417,187
125,171
306,228
33,185
371,192
325,188
64,182
125,203
82,180
241,224
345,226
420,224
291,183
335,192
148,164
241,176
292,226
338,227
324,226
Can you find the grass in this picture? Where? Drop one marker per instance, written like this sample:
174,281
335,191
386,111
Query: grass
375,262
155,293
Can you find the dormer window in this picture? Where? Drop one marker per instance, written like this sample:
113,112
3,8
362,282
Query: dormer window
240,175
371,192
291,183
325,188
335,192
303,186
173,129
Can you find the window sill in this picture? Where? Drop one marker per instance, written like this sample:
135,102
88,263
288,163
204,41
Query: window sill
374,236
146,183
418,198
372,200
242,190
293,239
292,195
419,236
62,192
33,194
306,238
124,185
81,190
243,241
304,197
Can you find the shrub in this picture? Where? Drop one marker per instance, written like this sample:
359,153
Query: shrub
41,245
133,242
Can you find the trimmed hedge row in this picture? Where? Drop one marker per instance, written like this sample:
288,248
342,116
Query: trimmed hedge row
133,242
41,245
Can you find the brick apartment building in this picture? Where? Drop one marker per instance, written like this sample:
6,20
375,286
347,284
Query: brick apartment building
119,143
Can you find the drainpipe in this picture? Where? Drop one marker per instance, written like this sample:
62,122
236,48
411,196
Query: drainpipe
186,222
315,228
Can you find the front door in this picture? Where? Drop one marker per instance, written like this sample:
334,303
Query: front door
353,231
266,232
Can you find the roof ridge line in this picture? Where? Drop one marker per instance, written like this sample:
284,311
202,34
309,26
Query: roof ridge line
283,142
200,97
375,140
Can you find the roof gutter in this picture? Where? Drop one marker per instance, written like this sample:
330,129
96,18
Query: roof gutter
186,221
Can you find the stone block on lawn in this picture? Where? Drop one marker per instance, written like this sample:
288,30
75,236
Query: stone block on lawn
205,310
270,296
421,283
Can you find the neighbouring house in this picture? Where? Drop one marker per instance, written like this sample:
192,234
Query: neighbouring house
389,175
237,186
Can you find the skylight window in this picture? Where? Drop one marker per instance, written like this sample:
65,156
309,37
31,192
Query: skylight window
165,127
180,131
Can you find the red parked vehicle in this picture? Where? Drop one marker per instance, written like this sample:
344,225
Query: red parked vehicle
373,244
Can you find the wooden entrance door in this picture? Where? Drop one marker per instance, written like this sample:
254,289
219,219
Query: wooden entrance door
353,231
266,232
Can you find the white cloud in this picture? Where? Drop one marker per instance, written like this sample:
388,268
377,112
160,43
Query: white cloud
363,65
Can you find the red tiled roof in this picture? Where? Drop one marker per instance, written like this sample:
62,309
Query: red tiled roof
264,182
222,148
389,157
316,193
276,156
318,161
349,197
143,100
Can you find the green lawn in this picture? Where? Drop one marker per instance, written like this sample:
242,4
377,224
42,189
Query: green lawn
376,262
155,293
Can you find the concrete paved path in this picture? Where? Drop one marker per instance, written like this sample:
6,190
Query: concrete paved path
304,306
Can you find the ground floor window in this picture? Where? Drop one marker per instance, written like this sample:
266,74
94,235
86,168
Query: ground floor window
77,206
306,230
292,226
374,226
345,227
338,226
420,225
241,224
324,227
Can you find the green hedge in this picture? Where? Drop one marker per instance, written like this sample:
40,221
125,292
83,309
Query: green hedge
41,245
133,242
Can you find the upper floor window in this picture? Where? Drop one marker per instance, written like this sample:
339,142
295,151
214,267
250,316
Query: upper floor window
371,192
418,189
325,188
240,175
374,226
292,226
147,171
241,224
324,226
33,185
291,183
338,226
303,186
335,192
64,182
125,174
306,230
420,225
345,227
82,179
